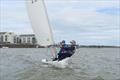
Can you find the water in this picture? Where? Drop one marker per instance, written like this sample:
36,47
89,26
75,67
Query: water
87,64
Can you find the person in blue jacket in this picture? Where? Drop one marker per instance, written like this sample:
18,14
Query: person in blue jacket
63,47
65,50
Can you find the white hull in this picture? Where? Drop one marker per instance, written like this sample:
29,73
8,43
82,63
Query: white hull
58,64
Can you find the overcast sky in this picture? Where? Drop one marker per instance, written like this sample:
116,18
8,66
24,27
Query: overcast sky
89,22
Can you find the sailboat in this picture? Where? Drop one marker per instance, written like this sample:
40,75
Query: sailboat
41,26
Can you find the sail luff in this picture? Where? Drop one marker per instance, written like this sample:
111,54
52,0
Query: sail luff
53,49
48,22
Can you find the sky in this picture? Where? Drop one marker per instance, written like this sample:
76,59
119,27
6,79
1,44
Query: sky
89,22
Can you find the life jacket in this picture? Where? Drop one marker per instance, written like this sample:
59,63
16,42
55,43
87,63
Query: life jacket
63,49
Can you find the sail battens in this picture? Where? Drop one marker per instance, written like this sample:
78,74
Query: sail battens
39,21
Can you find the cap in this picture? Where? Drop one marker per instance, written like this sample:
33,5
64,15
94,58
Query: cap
73,42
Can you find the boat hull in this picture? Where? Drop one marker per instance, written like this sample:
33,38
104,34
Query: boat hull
58,64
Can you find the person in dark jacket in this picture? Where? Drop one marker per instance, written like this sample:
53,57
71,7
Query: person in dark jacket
72,48
65,50
63,47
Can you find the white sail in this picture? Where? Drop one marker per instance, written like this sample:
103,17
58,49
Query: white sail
40,23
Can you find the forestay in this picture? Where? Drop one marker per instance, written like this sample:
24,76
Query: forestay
40,23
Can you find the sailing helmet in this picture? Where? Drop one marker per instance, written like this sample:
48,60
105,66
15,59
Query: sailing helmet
73,42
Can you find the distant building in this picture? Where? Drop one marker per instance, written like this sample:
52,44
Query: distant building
10,37
28,39
7,37
17,39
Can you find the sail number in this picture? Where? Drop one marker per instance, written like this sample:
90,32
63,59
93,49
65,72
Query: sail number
33,1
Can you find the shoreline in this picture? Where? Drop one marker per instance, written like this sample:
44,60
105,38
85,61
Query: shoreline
20,46
38,46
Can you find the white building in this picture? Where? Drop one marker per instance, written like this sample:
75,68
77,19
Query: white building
10,37
28,39
7,37
16,39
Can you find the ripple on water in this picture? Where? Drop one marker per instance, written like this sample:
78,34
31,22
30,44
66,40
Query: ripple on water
87,64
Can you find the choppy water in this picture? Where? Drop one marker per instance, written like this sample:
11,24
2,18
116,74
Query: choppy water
87,64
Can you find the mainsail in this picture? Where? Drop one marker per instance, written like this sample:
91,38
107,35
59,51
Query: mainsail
40,23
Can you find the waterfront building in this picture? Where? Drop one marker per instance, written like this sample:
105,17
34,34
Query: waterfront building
7,37
17,39
10,37
28,39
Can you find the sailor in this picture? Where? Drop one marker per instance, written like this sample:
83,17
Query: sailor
63,50
68,51
72,48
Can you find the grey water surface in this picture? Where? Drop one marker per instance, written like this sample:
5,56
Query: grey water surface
87,64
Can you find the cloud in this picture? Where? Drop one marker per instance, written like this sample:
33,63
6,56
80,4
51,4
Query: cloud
13,17
86,21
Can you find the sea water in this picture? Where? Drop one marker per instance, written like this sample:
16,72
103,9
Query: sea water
87,64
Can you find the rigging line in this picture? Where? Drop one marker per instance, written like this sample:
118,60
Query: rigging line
54,52
51,50
47,52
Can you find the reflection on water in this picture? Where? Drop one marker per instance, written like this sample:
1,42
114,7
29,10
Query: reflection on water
87,64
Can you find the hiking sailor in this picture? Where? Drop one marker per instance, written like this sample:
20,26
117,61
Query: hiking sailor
72,48
63,47
66,50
